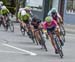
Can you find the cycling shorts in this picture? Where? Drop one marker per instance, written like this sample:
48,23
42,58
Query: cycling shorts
49,30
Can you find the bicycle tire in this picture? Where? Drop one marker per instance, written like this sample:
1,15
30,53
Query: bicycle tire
62,30
22,30
31,36
59,47
63,38
61,54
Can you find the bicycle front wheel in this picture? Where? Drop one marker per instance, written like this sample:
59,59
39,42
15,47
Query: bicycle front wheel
59,47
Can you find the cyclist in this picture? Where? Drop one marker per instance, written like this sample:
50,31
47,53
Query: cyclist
51,26
55,15
25,18
4,13
35,26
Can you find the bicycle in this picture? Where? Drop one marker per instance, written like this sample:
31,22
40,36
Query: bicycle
9,24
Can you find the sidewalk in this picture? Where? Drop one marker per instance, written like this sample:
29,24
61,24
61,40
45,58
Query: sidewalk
70,28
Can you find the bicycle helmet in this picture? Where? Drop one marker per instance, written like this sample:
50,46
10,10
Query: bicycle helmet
4,7
27,8
23,12
48,19
52,11
20,9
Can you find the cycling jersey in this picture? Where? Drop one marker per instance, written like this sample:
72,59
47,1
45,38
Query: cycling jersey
35,23
25,18
50,25
55,17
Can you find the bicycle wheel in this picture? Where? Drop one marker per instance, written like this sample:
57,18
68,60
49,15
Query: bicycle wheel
61,53
59,47
6,25
22,30
62,30
30,34
63,38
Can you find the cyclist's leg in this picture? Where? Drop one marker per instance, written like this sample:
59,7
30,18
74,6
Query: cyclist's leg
21,27
32,29
27,26
57,30
52,40
23,24
3,17
37,35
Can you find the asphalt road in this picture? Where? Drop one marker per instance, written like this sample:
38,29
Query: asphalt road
17,48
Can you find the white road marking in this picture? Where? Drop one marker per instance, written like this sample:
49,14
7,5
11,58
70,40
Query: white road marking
25,51
11,52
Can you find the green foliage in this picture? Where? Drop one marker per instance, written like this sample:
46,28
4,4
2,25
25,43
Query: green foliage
11,9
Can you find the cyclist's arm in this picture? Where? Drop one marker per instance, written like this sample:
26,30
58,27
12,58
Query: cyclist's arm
19,17
44,25
60,18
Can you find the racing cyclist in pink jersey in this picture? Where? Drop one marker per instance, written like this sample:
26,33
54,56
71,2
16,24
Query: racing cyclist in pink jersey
51,26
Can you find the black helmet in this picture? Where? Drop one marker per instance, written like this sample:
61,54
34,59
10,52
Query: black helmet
53,11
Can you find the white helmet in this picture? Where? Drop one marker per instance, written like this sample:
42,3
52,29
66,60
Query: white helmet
20,9
4,7
1,2
23,12
52,10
